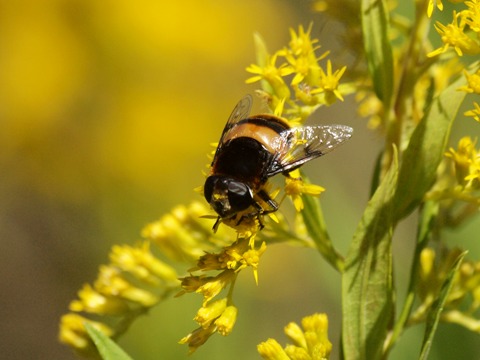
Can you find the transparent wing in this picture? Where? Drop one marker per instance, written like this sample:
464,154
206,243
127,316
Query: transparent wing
299,145
240,112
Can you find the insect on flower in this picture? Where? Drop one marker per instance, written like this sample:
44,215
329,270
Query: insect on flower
254,148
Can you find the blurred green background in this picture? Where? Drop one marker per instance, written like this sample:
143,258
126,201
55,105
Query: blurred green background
107,110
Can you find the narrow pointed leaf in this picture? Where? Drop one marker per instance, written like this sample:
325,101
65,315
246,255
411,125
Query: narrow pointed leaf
107,348
434,315
314,223
378,48
367,279
426,148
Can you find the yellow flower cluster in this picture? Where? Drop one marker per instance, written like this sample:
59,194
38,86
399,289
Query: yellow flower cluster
135,279
219,315
465,293
310,342
466,160
128,286
473,87
183,236
295,187
463,35
309,87
313,85
458,183
453,35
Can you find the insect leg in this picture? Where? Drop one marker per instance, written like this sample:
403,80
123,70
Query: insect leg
216,225
272,203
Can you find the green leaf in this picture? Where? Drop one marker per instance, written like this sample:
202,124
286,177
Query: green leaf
314,223
376,174
262,57
378,48
426,148
367,281
437,307
107,348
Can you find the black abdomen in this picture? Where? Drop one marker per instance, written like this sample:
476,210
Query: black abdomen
244,159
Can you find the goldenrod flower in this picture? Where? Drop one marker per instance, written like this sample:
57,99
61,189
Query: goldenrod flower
302,67
111,281
132,282
234,253
174,239
302,43
295,187
313,86
208,313
296,334
73,333
211,261
272,350
214,285
192,283
474,176
329,82
309,342
466,160
301,56
212,317
473,83
226,320
453,35
471,16
220,313
184,236
465,152
141,263
315,328
198,337
427,275
431,4
370,107
475,113
434,268
91,301
251,258
226,259
272,74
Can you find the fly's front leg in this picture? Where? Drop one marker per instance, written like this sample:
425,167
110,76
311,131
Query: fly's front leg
262,194
217,224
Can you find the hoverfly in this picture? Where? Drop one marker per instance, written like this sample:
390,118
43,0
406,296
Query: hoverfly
254,148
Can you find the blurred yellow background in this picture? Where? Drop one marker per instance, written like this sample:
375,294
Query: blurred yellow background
107,110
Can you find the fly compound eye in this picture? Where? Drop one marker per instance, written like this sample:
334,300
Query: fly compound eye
208,188
239,195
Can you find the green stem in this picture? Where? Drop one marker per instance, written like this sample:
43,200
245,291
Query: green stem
408,76
425,228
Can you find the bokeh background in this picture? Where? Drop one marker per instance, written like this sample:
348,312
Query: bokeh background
107,110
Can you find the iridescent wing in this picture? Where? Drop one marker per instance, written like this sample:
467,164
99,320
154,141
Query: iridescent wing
240,112
299,145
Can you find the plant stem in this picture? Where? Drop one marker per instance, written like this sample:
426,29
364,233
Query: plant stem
428,215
